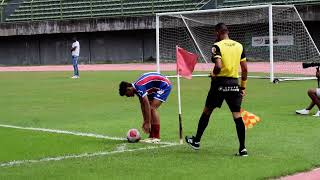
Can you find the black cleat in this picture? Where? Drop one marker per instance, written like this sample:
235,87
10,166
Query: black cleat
194,144
242,153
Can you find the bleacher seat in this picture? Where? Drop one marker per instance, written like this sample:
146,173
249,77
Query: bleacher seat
237,3
66,9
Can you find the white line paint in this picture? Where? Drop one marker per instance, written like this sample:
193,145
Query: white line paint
122,147
63,132
76,156
99,136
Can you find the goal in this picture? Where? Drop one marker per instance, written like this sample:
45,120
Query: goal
275,39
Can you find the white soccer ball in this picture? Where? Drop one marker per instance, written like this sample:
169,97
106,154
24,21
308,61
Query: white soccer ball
133,136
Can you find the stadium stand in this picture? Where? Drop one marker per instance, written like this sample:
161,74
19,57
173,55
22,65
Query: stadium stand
3,4
236,3
68,9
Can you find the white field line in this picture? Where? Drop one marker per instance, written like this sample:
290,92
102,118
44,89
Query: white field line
121,147
76,156
99,136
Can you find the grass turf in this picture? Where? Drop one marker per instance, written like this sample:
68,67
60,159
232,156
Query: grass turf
283,143
30,145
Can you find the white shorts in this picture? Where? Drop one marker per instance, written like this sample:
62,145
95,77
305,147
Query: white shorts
318,92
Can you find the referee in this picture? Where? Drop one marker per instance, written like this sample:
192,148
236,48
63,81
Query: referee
227,54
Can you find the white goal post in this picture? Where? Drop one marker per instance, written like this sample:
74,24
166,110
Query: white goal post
275,38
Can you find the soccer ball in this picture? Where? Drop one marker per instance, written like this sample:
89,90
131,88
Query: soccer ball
133,136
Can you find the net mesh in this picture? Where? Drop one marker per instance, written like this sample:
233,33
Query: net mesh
194,32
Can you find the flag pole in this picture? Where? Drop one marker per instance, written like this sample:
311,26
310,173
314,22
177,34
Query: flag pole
186,62
179,109
179,103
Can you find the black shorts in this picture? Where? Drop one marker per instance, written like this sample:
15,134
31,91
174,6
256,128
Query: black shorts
224,88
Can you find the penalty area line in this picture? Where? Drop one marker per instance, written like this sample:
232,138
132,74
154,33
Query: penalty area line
76,156
99,136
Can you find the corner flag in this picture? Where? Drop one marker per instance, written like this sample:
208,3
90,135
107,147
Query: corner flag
186,62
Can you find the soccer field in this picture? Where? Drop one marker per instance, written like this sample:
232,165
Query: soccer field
282,143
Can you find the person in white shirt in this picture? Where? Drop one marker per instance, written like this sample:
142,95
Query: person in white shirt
75,51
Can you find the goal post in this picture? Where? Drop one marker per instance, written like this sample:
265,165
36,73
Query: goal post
275,39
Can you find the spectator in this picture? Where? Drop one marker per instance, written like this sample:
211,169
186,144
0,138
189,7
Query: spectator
75,51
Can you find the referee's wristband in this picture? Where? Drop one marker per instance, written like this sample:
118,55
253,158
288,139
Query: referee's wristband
243,85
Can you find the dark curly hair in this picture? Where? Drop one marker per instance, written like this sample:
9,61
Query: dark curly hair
221,27
123,87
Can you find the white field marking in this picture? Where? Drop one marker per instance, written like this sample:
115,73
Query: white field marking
121,147
76,156
99,136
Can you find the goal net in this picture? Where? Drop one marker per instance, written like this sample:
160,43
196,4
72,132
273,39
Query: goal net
275,39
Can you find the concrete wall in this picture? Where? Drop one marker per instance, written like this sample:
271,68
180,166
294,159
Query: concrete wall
97,47
77,25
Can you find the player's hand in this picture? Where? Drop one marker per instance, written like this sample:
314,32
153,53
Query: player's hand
243,92
146,127
212,75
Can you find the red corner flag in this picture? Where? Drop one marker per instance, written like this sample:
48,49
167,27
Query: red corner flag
186,62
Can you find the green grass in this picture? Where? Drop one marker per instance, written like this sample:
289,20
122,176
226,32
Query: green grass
283,143
26,145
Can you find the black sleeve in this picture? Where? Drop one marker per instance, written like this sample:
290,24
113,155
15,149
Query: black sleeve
215,53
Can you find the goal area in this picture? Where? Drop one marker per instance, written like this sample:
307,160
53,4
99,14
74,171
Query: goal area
275,39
